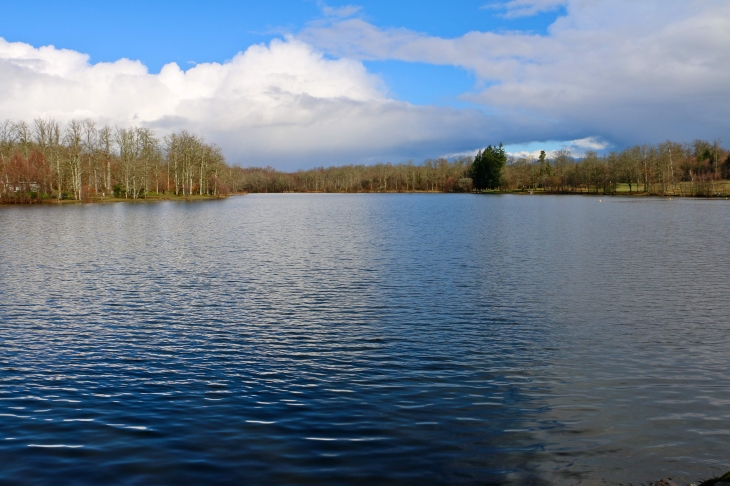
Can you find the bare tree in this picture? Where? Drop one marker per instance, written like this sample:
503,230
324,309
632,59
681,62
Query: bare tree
73,138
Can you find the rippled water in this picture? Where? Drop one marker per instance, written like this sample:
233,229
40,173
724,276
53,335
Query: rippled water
424,339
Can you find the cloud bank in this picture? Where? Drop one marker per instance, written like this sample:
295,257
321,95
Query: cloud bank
627,71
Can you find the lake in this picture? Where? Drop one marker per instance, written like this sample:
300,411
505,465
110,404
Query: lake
365,339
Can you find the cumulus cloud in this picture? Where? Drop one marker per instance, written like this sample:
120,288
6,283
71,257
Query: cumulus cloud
283,104
628,71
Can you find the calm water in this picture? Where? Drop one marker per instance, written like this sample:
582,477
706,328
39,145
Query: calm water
344,339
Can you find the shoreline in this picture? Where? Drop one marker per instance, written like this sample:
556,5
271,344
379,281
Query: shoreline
108,200
516,192
715,481
197,198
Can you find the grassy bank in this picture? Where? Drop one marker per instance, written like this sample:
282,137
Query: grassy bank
719,189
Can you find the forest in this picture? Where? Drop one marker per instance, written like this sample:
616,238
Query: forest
45,161
82,162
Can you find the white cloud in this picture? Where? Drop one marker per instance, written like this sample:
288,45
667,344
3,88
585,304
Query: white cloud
526,154
284,104
586,144
525,8
577,148
340,12
628,71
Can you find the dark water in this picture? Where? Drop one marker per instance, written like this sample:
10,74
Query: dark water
404,339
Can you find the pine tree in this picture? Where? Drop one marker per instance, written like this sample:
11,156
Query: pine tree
486,170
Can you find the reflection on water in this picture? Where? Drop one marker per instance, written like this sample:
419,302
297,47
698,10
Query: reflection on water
365,339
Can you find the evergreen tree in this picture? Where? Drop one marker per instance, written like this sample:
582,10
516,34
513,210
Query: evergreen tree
486,170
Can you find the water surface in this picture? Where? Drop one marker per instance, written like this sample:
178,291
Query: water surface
345,339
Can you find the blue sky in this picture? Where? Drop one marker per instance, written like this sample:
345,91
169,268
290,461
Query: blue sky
420,78
159,32
188,32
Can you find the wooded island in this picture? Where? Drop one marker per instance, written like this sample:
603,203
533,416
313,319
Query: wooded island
47,162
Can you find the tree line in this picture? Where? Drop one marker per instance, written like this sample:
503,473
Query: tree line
698,168
83,161
433,175
45,160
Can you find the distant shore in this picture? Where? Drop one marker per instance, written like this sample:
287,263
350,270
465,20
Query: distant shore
51,163
204,197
